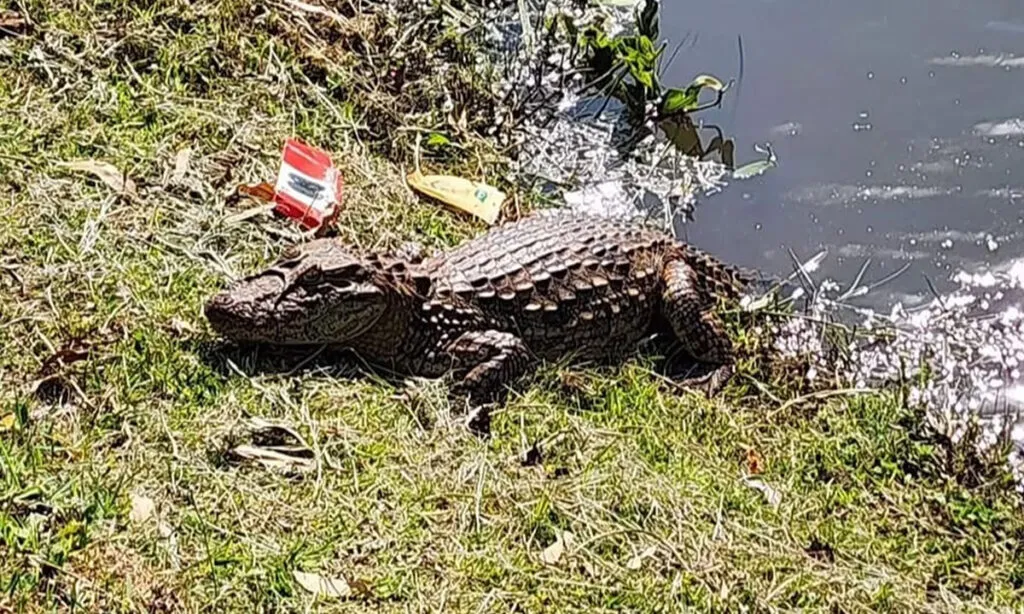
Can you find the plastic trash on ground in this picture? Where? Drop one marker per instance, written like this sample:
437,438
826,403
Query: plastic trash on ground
472,197
308,187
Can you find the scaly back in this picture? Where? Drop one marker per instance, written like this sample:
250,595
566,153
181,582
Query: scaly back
511,258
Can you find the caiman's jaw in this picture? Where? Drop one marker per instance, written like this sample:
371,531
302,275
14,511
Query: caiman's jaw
248,310
318,293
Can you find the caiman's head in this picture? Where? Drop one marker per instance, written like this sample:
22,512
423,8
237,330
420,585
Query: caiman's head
319,292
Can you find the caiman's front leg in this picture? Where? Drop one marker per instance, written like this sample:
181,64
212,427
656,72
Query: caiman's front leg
489,359
695,324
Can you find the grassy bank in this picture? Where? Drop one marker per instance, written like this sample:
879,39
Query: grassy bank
120,419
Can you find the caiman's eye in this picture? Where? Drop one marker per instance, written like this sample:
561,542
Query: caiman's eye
347,274
312,277
290,258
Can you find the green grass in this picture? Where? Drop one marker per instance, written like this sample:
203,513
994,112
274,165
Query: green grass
874,513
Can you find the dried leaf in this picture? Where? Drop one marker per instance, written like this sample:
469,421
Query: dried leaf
329,222
271,435
74,351
280,458
305,7
553,553
52,389
109,174
771,495
248,213
142,509
637,561
261,191
755,462
164,530
316,584
180,327
80,348
13,21
181,160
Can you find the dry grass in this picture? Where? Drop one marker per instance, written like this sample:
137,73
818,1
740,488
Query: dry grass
141,404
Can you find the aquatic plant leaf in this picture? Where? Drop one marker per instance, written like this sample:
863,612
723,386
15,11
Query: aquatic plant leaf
758,166
708,81
677,100
682,134
687,100
753,169
647,21
728,153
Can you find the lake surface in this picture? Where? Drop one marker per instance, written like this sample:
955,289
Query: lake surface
898,125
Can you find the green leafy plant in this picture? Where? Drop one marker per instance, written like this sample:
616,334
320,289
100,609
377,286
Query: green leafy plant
627,68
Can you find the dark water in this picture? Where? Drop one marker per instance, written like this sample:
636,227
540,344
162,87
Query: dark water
898,124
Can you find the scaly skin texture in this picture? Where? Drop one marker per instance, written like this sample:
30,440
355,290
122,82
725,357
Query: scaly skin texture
554,285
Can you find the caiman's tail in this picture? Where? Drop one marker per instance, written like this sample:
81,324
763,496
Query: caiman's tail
728,281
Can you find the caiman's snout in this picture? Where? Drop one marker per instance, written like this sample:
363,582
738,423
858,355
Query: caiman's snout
218,308
225,315
240,311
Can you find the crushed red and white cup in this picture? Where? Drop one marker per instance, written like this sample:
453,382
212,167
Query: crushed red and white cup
308,187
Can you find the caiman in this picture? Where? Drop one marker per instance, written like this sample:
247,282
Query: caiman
555,285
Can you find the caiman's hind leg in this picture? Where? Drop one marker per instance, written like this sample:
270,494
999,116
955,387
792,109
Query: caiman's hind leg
488,361
690,313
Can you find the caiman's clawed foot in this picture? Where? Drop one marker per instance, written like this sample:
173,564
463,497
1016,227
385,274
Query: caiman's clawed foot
490,360
690,312
475,409
712,383
479,420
